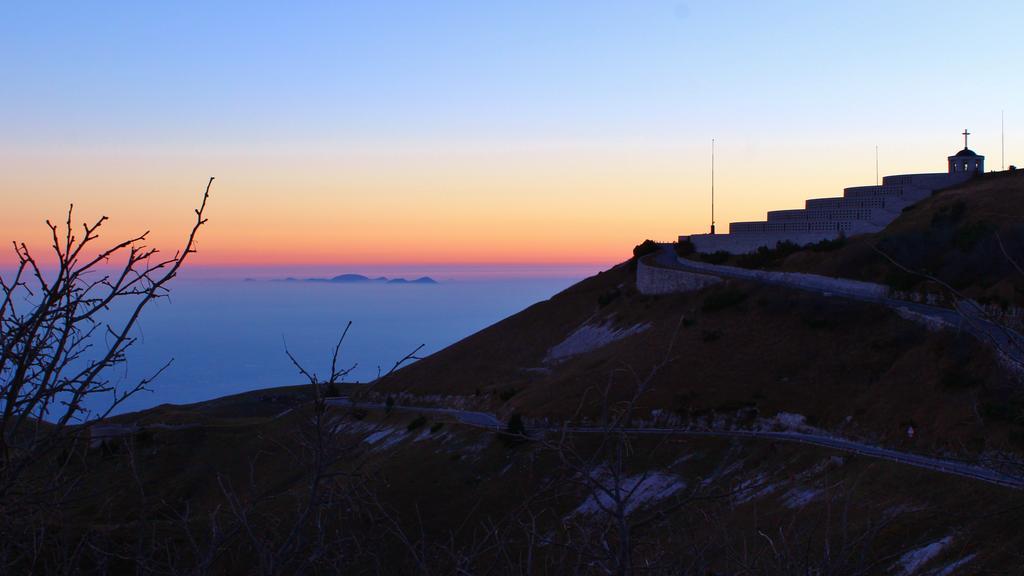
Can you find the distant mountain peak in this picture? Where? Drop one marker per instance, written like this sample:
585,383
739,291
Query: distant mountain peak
350,278
361,279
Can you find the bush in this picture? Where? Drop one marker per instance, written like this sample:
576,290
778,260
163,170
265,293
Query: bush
1011,411
436,427
719,257
684,248
646,247
507,394
949,214
959,378
900,280
515,426
816,321
722,299
515,431
828,245
968,235
418,422
766,257
143,437
1017,438
711,335
608,297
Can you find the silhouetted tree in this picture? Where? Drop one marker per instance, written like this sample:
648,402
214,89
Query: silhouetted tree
59,345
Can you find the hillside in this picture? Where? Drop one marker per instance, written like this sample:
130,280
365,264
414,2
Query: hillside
737,348
366,489
970,236
742,354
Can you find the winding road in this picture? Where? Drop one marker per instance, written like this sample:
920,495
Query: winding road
490,422
467,417
969,318
1005,341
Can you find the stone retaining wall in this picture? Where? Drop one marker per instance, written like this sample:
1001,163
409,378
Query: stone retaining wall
656,280
843,286
653,279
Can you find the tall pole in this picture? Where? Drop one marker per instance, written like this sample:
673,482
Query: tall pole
876,164
1002,140
712,185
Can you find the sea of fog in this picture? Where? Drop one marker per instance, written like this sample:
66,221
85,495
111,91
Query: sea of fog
225,330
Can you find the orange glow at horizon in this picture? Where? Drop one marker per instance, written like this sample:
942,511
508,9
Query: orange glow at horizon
426,206
363,132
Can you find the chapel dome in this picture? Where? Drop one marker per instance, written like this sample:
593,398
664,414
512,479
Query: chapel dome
966,152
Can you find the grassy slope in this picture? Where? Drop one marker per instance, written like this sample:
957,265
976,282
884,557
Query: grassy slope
455,478
951,235
852,368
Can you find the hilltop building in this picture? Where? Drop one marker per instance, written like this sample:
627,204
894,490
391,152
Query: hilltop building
861,210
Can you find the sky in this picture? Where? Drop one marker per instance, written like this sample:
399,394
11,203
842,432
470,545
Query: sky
377,133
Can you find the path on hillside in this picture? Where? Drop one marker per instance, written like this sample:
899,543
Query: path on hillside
468,417
1004,340
489,421
954,467
988,332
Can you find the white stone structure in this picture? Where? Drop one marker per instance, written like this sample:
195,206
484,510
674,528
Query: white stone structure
654,279
861,210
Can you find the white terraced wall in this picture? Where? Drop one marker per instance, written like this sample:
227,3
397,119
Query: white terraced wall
744,243
833,228
861,210
878,202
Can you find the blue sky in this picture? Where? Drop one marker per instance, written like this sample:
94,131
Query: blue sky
220,87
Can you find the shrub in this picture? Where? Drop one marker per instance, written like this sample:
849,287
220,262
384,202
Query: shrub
507,394
684,248
515,431
515,426
828,245
436,427
949,213
646,247
1017,438
715,257
143,437
959,377
722,299
711,335
417,422
1011,411
765,257
900,280
608,297
818,322
968,235
682,402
